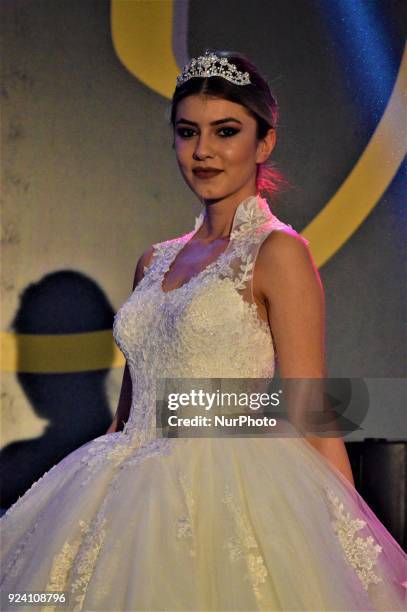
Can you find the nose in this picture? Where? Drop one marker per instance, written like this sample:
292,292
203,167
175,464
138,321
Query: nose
203,147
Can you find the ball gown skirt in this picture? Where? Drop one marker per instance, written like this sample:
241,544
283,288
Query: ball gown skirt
130,521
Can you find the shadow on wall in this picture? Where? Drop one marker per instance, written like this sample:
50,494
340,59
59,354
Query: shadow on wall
75,404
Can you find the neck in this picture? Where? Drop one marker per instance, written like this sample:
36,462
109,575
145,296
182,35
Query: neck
219,215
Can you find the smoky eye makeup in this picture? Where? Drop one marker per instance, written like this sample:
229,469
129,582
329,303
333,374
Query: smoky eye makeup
224,132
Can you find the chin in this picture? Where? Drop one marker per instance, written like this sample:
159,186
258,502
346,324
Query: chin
208,191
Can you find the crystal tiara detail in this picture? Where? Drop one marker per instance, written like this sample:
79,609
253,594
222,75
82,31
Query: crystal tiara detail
210,65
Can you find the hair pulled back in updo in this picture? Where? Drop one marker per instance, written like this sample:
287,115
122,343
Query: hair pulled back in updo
256,97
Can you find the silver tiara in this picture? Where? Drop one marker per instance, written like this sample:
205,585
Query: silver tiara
210,65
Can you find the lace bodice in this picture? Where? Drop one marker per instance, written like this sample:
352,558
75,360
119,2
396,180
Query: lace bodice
207,328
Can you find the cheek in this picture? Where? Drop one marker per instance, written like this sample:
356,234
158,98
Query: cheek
181,151
239,152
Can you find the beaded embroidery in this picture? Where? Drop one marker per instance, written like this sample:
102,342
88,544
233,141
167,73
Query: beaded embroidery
86,558
360,552
243,545
179,333
185,524
62,564
77,559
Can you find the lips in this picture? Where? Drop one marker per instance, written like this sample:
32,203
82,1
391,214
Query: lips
206,174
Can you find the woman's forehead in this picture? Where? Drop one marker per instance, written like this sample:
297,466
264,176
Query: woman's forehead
201,108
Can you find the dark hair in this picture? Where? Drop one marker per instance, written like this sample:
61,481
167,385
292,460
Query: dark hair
256,97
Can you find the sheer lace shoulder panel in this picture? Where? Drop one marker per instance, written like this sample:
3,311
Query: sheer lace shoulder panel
241,265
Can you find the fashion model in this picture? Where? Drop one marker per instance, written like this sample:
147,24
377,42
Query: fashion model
137,521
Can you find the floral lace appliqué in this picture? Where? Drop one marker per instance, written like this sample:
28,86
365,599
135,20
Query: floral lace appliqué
243,545
361,552
122,450
72,568
62,564
245,271
85,561
185,524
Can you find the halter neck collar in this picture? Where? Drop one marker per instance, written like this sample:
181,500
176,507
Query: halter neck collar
250,213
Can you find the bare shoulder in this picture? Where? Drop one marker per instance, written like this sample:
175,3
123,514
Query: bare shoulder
284,259
143,261
285,237
282,243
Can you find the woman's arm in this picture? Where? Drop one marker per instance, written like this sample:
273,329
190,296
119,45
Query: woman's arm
291,288
123,408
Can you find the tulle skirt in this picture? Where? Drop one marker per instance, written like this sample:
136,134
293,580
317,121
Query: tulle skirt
200,524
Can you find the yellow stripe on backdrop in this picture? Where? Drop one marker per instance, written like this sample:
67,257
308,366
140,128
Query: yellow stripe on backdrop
59,353
142,39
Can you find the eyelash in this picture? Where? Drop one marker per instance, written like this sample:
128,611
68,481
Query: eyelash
180,132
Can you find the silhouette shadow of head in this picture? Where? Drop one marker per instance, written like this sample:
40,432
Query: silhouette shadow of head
74,402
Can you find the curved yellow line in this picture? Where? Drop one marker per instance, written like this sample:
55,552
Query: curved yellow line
142,39
368,180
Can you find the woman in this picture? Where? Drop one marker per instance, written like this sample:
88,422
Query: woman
133,521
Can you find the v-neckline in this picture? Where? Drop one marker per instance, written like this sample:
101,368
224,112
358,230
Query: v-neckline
208,267
251,212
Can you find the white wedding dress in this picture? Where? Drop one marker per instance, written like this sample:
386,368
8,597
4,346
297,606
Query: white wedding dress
132,521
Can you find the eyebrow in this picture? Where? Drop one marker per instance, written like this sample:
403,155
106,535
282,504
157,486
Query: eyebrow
217,122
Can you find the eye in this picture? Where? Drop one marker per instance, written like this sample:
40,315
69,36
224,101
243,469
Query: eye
182,132
231,131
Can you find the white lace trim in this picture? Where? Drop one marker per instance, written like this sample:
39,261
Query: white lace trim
360,552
